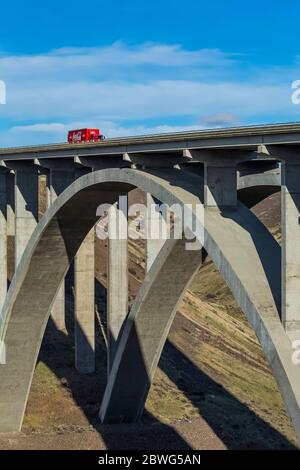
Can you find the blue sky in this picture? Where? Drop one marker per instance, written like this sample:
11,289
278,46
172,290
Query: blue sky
137,67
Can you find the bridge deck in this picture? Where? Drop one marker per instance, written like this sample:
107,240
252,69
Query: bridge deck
239,137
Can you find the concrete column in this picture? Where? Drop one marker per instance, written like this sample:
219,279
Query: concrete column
155,228
44,191
84,287
220,174
144,338
220,184
60,179
290,222
26,205
10,208
117,289
48,191
10,219
3,239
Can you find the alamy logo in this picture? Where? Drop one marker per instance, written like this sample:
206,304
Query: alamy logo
296,353
2,92
154,222
296,94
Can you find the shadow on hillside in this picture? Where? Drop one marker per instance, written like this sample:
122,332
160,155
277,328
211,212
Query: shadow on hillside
57,352
233,422
87,390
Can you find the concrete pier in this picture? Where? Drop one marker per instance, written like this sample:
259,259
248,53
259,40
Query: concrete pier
220,184
26,205
10,223
60,179
84,287
10,203
290,217
155,230
146,331
3,238
290,235
220,174
117,291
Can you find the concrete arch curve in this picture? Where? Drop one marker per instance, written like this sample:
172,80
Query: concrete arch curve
246,254
256,187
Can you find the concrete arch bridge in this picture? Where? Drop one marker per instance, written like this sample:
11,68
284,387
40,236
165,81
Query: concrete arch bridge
223,171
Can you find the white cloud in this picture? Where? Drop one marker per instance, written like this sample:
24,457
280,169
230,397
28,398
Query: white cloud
116,86
127,100
118,55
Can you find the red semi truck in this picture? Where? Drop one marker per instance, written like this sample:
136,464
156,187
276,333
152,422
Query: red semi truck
84,135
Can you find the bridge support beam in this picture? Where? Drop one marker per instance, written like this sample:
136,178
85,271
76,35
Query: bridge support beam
3,238
155,230
220,184
84,287
290,222
26,205
117,288
290,232
10,219
60,179
10,191
146,331
220,174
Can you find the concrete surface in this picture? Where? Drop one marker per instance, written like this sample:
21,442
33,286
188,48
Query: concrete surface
155,228
243,137
290,217
3,237
26,205
60,179
84,293
117,271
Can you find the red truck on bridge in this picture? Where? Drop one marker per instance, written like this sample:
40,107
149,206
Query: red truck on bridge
85,135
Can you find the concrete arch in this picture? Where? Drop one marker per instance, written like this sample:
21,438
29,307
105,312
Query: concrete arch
139,352
252,187
246,254
255,187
